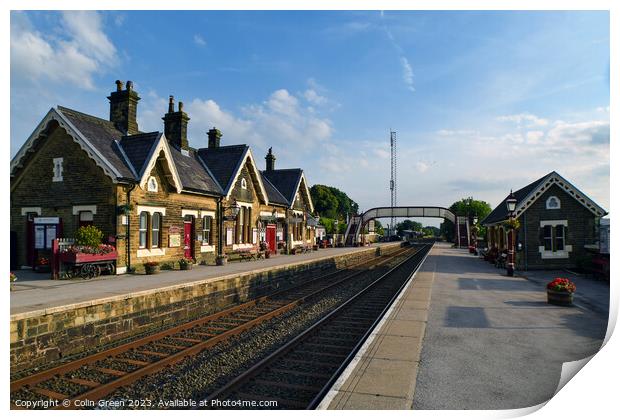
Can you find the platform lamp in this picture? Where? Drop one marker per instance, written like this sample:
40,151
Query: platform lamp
511,204
475,233
234,211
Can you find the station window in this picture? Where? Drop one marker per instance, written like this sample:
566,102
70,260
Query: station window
206,229
244,184
86,218
57,169
554,237
143,226
156,230
152,185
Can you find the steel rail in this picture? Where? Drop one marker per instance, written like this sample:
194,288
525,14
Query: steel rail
253,371
100,390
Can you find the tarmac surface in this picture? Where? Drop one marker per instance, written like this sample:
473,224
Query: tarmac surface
463,335
35,291
493,342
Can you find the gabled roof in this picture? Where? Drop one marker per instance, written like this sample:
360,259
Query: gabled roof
274,195
527,195
138,148
195,176
226,163
95,136
287,182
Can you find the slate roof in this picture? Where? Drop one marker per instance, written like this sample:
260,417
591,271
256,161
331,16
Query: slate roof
223,162
273,194
138,148
500,213
285,180
102,135
194,176
126,157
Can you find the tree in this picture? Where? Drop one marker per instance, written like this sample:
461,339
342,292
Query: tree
465,207
408,225
331,203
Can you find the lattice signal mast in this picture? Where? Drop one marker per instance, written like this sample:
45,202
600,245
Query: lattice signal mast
392,176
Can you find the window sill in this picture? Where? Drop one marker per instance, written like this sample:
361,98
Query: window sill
154,252
242,246
207,248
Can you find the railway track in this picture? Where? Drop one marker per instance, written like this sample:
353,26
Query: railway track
95,376
301,372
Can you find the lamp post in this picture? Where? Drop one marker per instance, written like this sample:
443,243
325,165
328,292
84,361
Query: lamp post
475,233
234,211
511,204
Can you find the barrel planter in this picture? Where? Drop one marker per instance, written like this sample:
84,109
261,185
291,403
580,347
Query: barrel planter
561,298
151,269
185,266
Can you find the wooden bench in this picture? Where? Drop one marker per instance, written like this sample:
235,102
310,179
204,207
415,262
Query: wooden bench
250,254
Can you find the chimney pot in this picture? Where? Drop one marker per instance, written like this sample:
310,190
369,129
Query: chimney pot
124,108
270,160
175,125
214,138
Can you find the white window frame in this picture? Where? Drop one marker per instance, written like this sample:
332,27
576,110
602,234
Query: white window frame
552,254
158,230
244,184
145,230
57,169
206,233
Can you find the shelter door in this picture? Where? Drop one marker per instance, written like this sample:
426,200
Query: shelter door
189,239
270,236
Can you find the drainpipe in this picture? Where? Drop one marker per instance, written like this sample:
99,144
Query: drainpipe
128,231
220,221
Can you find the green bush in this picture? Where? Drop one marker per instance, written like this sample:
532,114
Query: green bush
88,236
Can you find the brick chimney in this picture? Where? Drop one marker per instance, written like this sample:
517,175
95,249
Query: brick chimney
214,138
124,107
175,125
271,161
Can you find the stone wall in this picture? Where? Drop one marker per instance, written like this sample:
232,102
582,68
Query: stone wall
83,184
42,336
580,231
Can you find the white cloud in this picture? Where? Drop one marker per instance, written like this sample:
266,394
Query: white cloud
83,51
199,40
407,73
313,97
524,118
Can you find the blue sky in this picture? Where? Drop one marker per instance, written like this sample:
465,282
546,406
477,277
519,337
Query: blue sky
481,101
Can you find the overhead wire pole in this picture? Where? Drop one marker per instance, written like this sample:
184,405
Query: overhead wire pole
392,178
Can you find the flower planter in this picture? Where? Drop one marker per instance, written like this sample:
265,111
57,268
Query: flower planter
186,266
221,260
561,298
80,257
151,269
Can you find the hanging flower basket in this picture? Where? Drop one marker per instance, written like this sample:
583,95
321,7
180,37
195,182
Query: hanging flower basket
560,292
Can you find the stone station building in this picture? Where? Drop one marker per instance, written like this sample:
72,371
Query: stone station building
154,197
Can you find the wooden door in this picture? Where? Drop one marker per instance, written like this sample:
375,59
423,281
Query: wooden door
189,239
270,237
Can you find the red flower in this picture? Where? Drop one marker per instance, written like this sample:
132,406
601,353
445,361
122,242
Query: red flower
562,285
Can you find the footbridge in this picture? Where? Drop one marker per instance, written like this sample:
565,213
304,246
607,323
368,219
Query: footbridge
358,223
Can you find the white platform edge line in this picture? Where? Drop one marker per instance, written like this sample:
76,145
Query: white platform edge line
331,394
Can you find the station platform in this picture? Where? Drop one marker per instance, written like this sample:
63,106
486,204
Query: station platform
463,335
35,292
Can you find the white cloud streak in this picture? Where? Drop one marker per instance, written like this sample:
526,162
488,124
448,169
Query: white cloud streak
82,51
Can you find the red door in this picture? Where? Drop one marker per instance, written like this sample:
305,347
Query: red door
270,236
189,239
